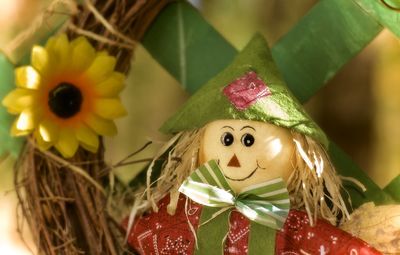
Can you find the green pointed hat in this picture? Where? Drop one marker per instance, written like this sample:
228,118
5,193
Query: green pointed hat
250,88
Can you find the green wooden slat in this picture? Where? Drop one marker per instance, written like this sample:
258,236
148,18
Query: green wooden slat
341,26
331,34
189,48
346,167
384,15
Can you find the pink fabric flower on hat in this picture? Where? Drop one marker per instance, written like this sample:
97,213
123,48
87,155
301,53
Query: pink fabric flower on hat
246,90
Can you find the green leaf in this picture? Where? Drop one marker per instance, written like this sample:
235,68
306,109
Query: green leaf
8,144
383,14
332,33
394,188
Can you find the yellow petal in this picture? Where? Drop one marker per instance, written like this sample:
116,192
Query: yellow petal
89,148
27,120
67,143
101,126
51,59
101,68
19,99
16,132
27,77
61,45
112,86
50,43
40,59
87,137
58,50
109,108
76,42
82,54
48,131
42,144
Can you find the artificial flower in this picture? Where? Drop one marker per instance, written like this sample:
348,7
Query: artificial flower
67,97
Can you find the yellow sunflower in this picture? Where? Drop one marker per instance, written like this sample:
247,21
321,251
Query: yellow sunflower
67,97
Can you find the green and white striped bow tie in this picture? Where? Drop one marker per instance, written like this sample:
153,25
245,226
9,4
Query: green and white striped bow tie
266,203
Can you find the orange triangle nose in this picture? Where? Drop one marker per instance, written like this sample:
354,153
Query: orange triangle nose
234,161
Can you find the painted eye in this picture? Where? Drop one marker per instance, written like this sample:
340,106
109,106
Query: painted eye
247,140
227,139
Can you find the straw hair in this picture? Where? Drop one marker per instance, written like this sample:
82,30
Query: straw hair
313,185
181,162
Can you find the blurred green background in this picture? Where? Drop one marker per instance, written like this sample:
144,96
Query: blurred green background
359,109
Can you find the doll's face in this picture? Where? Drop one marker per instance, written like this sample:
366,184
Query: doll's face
248,152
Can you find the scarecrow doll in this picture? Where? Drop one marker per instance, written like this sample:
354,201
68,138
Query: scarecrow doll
247,173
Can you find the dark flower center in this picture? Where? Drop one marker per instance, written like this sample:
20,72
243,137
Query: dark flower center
65,100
